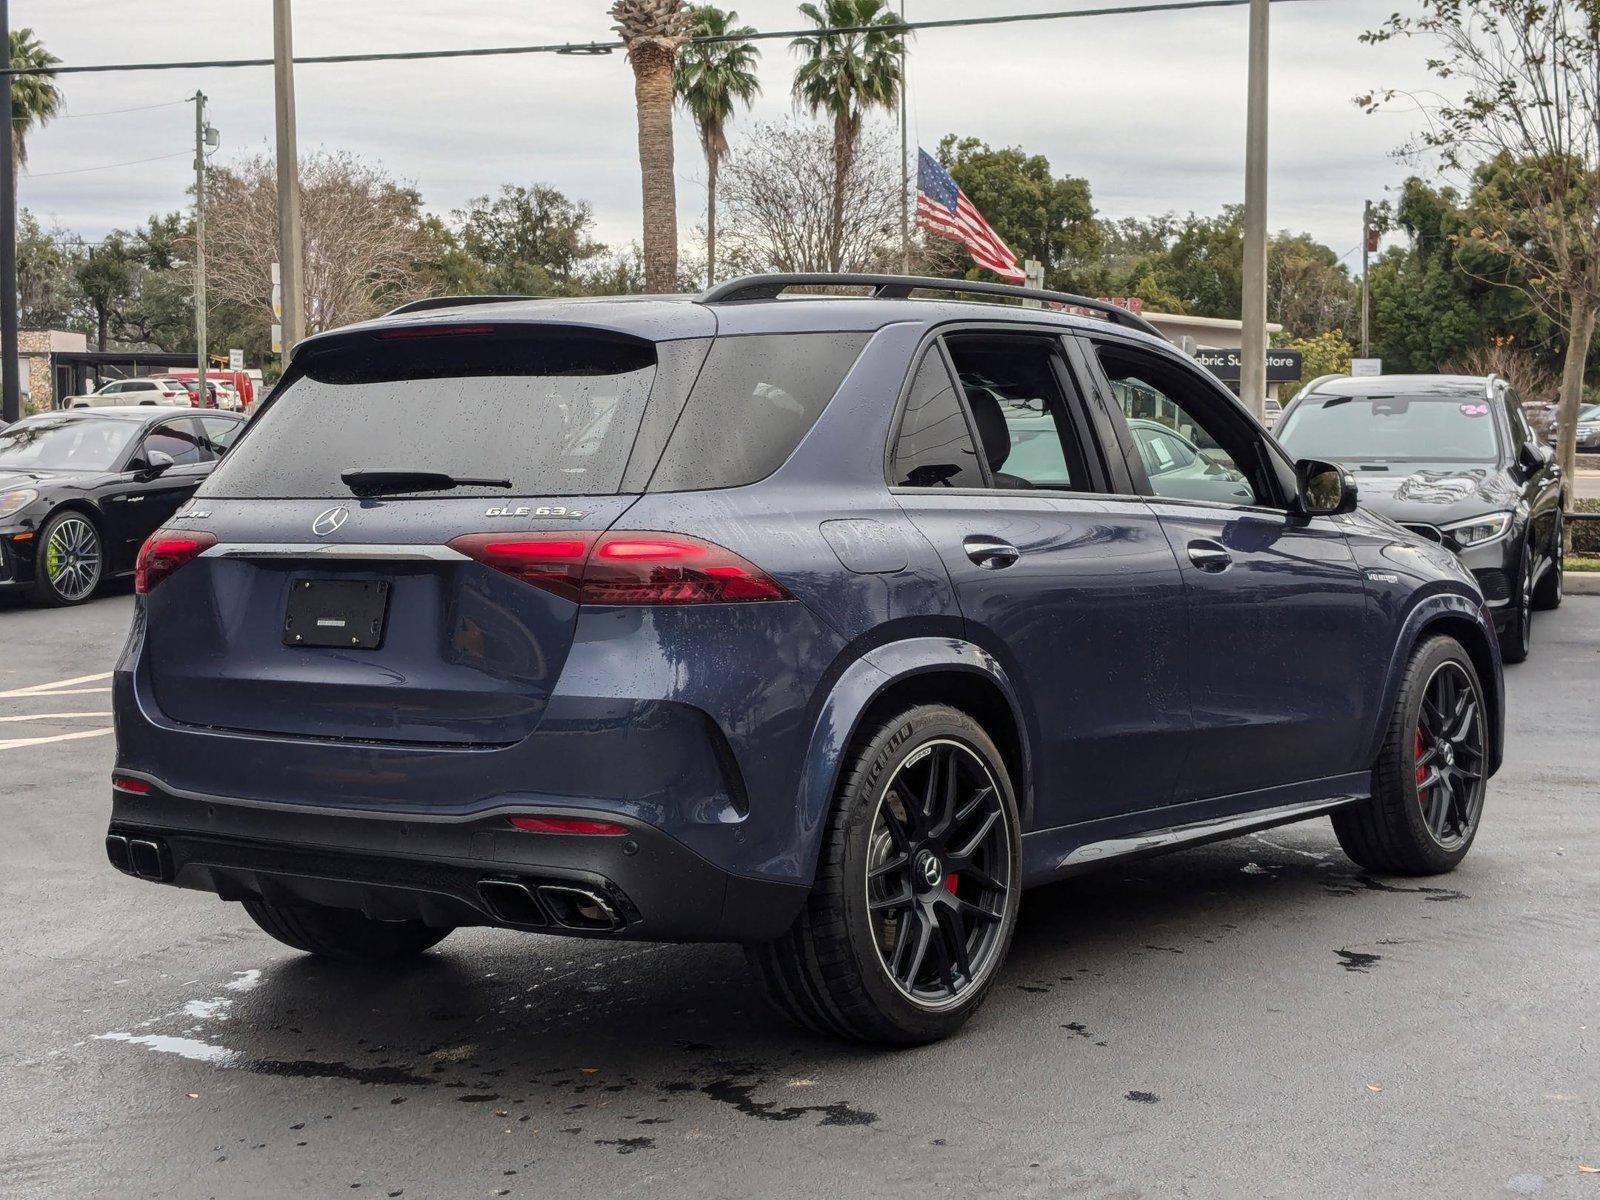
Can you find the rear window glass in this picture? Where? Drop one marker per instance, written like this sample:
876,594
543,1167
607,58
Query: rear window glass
754,401
554,414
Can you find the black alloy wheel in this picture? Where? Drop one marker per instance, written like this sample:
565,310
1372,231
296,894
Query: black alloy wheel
939,871
1449,755
1431,775
916,890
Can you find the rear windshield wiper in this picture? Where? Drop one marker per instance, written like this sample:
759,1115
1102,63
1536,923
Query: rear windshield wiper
381,481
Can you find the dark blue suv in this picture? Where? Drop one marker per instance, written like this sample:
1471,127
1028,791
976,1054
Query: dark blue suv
821,624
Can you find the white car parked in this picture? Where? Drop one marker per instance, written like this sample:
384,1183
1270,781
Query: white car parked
152,390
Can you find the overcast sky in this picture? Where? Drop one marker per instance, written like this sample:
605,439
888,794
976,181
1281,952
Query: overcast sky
1150,109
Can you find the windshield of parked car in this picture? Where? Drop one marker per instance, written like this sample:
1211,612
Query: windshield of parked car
1391,429
65,444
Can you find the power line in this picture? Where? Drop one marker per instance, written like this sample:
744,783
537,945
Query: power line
132,162
600,48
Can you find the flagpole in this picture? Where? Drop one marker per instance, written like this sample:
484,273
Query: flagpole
905,170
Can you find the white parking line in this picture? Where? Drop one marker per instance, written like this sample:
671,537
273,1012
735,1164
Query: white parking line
55,716
19,743
55,689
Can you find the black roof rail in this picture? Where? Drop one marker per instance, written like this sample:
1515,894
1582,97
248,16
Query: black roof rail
432,302
900,287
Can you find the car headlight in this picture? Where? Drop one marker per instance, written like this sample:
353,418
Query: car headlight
12,503
1479,531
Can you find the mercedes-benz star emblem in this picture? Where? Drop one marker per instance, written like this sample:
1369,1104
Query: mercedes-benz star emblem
329,521
932,872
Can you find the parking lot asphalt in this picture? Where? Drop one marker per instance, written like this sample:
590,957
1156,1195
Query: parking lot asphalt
1254,1018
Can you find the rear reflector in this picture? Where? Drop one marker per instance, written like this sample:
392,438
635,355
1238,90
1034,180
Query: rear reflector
569,825
163,552
625,568
127,783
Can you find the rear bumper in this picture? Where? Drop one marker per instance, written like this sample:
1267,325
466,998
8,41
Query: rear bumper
431,868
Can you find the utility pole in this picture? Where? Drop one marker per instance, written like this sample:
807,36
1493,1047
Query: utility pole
10,382
1253,306
204,136
1366,251
291,247
905,168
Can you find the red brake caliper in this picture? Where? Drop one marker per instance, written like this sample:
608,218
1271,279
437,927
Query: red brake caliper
1422,772
950,882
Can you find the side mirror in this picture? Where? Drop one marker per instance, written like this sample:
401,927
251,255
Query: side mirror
1323,489
156,462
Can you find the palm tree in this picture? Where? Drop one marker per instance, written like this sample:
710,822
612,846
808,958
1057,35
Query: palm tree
711,77
34,98
653,31
843,76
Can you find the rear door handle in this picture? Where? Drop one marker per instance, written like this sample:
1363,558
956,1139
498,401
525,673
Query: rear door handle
990,553
1210,556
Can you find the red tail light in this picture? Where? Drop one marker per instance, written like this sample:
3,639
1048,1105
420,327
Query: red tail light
625,568
163,552
569,825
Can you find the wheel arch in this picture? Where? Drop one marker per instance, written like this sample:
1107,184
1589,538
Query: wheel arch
899,675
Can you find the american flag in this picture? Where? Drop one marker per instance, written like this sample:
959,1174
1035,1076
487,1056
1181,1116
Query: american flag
944,211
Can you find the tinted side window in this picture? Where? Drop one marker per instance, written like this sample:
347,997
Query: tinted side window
179,439
1019,409
219,433
1190,449
935,447
754,401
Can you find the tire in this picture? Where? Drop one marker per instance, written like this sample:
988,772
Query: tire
1395,833
1547,596
71,541
1517,636
893,887
343,934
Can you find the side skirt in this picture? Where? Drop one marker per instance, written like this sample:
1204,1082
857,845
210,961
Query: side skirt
1051,854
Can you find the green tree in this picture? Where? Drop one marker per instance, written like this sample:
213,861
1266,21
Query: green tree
530,241
712,77
843,76
46,283
1326,353
35,99
1038,215
106,278
1521,117
653,31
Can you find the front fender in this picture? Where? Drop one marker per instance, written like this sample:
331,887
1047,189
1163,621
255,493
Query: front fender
853,693
1456,608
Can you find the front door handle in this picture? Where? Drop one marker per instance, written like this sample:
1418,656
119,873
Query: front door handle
1210,556
990,553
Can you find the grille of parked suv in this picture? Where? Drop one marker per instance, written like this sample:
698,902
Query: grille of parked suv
5,563
1427,531
1494,583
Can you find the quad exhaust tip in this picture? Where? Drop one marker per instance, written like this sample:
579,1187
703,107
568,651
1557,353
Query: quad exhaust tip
570,906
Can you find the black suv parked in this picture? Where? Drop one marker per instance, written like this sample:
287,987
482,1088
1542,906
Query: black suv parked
1451,457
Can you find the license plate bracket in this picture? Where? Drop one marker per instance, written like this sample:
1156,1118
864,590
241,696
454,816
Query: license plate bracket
348,614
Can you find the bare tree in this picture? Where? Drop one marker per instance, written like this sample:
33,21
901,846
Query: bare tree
777,202
363,234
1517,364
1527,129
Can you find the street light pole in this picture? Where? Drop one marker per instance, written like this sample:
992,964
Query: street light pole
291,248
1253,305
1366,252
10,381
200,131
905,169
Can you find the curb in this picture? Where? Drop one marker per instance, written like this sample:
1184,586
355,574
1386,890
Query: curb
1581,583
